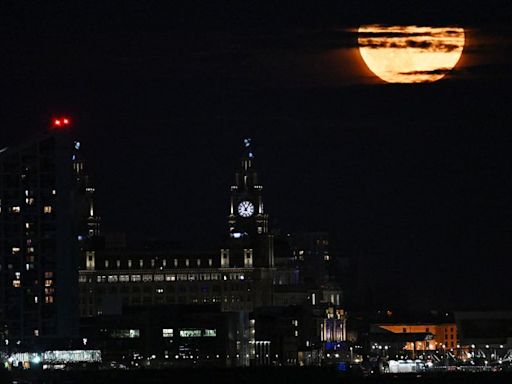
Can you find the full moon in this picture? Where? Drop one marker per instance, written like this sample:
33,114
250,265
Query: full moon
410,54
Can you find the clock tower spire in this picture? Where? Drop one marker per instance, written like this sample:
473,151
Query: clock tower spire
249,244
247,217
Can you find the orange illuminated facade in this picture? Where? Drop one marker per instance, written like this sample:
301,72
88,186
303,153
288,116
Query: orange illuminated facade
444,335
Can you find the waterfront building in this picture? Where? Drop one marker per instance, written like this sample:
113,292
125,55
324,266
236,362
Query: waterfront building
442,335
42,196
239,276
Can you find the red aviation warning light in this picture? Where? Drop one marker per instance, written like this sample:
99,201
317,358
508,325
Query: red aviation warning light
61,122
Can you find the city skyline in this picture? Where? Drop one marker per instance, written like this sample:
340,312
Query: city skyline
400,175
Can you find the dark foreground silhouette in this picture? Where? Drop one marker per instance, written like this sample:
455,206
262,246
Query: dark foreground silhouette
243,376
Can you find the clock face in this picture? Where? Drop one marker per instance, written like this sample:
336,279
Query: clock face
245,209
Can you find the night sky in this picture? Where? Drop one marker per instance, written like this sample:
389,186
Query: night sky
414,181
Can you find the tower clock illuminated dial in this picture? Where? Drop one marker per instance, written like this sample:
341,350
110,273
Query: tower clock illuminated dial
245,208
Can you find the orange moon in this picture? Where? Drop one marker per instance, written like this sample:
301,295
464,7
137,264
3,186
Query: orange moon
410,54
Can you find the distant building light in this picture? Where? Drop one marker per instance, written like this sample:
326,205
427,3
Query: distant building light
167,332
36,359
61,122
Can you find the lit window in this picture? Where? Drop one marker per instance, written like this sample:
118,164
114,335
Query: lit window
15,250
129,263
210,262
135,278
190,333
159,277
159,290
147,278
198,262
124,278
36,332
48,299
15,209
16,283
170,277
167,332
186,262
47,209
29,201
125,333
48,275
112,279
48,283
210,333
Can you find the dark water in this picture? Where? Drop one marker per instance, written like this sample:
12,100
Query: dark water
244,376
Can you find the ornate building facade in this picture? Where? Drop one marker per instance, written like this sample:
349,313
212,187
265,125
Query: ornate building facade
239,276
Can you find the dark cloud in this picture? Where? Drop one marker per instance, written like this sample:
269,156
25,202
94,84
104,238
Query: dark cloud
420,44
439,71
482,72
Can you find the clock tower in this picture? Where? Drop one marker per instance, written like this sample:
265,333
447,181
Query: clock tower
247,216
249,243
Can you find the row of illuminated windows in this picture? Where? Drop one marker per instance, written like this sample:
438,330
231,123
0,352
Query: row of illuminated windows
166,332
29,201
136,278
164,263
162,277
